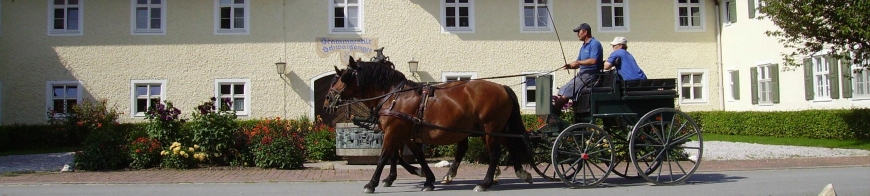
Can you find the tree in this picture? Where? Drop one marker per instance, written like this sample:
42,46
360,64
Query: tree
811,26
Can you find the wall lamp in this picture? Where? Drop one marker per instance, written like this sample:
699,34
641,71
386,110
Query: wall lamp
282,68
413,65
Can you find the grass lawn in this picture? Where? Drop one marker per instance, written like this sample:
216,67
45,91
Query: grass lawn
828,143
37,151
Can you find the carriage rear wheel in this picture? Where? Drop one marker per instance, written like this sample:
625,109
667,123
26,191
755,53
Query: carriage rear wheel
669,140
582,155
623,167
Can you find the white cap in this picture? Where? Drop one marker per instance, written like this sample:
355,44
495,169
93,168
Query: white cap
619,40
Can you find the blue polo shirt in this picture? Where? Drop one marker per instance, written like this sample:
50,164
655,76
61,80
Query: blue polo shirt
589,50
628,68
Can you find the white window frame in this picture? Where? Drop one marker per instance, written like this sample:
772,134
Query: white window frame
233,82
758,4
232,31
360,29
65,31
821,78
726,13
536,29
49,99
134,5
860,79
456,5
134,97
765,82
625,12
449,75
731,71
525,102
705,88
689,5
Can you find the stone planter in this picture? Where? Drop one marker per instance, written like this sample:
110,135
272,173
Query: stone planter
360,145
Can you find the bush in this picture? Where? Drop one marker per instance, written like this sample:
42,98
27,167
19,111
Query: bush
277,143
181,157
320,142
144,152
815,124
104,147
213,128
164,124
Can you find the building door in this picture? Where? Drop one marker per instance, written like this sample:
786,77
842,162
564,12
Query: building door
321,87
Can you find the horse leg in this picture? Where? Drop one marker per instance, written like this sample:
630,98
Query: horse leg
461,148
389,149
410,168
494,156
429,185
388,182
522,174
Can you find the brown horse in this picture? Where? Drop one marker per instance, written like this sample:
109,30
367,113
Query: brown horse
440,115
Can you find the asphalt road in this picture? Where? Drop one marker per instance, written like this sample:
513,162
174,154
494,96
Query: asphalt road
847,181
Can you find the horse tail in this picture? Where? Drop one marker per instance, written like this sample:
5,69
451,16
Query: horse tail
515,125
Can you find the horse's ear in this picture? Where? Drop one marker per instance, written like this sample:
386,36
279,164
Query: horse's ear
337,71
351,63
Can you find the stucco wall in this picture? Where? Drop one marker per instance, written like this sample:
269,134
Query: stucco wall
190,56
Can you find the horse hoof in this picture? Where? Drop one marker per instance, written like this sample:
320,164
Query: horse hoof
387,183
369,190
494,181
428,189
479,188
446,182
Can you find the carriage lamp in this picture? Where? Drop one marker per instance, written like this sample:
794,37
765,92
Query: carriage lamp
282,67
412,65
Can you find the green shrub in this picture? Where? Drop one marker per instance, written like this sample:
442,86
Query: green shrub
164,124
277,143
105,147
814,124
320,142
213,128
144,153
23,137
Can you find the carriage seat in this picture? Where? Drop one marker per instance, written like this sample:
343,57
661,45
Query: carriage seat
665,86
603,83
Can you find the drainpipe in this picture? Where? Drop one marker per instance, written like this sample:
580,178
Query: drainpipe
719,56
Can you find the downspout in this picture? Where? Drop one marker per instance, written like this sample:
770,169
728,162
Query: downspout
719,56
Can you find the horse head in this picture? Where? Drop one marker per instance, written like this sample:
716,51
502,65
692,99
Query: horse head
342,86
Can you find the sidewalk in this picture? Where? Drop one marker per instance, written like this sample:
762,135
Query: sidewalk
343,172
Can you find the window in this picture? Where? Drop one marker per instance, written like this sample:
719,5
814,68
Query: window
346,16
861,81
693,86
822,84
148,17
456,76
765,90
690,15
237,91
232,16
535,15
530,88
754,5
146,93
730,12
457,15
613,15
734,84
65,17
61,97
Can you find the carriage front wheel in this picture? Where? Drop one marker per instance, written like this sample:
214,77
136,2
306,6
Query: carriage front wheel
671,141
582,155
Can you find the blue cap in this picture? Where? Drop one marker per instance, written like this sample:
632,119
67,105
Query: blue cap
583,26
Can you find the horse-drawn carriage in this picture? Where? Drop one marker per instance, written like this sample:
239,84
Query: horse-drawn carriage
620,125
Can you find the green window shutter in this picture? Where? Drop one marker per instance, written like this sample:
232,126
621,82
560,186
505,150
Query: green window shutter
847,78
751,5
774,83
808,79
735,89
834,77
753,84
732,11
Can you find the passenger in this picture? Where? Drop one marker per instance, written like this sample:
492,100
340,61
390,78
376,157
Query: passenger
589,61
623,61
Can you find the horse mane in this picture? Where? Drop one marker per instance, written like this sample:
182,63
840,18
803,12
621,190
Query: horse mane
377,75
